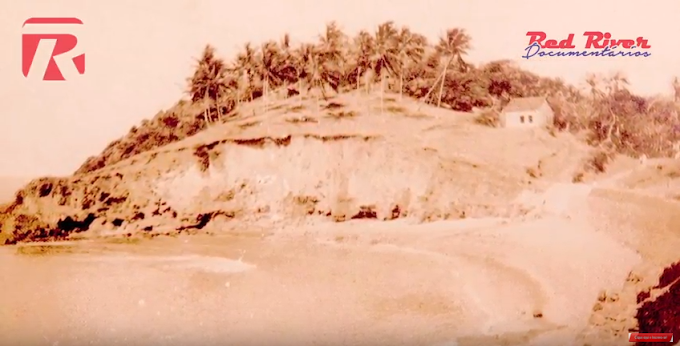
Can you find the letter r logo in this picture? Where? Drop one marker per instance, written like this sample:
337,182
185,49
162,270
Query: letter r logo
50,49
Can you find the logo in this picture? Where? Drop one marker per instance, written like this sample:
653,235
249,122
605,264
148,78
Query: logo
650,337
50,49
597,44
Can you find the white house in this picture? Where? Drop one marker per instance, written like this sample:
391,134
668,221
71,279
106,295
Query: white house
527,112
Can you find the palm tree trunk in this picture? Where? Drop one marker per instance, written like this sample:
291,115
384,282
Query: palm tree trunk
368,88
434,85
265,91
382,94
218,105
441,88
401,80
206,104
316,101
250,87
358,77
300,91
401,86
322,87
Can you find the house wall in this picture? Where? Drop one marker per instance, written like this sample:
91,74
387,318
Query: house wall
540,117
514,119
548,113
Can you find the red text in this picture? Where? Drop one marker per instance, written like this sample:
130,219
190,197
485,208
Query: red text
594,40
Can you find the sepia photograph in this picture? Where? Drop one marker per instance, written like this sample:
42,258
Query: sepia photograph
444,173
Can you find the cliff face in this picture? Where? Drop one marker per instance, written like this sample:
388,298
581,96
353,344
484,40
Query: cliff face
352,156
339,177
338,159
52,208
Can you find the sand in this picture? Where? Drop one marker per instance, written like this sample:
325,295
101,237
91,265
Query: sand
493,281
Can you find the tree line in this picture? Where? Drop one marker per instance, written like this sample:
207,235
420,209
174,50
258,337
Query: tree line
394,58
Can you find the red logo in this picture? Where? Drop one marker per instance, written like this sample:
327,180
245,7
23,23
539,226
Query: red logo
597,44
650,337
50,49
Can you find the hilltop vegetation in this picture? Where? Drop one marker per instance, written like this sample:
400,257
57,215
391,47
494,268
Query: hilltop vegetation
399,60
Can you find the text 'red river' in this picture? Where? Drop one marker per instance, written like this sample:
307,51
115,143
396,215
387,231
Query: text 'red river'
597,43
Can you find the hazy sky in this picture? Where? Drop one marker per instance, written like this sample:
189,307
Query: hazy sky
138,54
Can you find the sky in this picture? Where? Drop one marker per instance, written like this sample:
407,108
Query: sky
139,54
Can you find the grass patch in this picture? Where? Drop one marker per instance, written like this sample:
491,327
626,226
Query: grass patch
275,108
342,115
249,124
297,109
44,250
333,105
123,240
598,162
301,120
578,177
418,115
396,109
488,118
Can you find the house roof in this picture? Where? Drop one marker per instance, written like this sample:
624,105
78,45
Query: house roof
524,104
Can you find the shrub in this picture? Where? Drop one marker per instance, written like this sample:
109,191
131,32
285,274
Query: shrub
598,162
489,117
166,127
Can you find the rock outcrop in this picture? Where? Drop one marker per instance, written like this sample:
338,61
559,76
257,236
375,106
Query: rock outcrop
339,177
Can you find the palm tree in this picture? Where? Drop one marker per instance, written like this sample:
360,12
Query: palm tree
244,67
268,68
310,67
299,59
451,46
229,100
331,45
208,83
363,45
385,54
315,72
410,48
616,82
603,101
333,49
288,69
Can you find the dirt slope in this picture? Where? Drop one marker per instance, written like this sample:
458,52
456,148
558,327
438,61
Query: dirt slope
341,159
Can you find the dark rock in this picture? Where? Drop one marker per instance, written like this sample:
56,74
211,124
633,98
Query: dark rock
117,222
662,315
